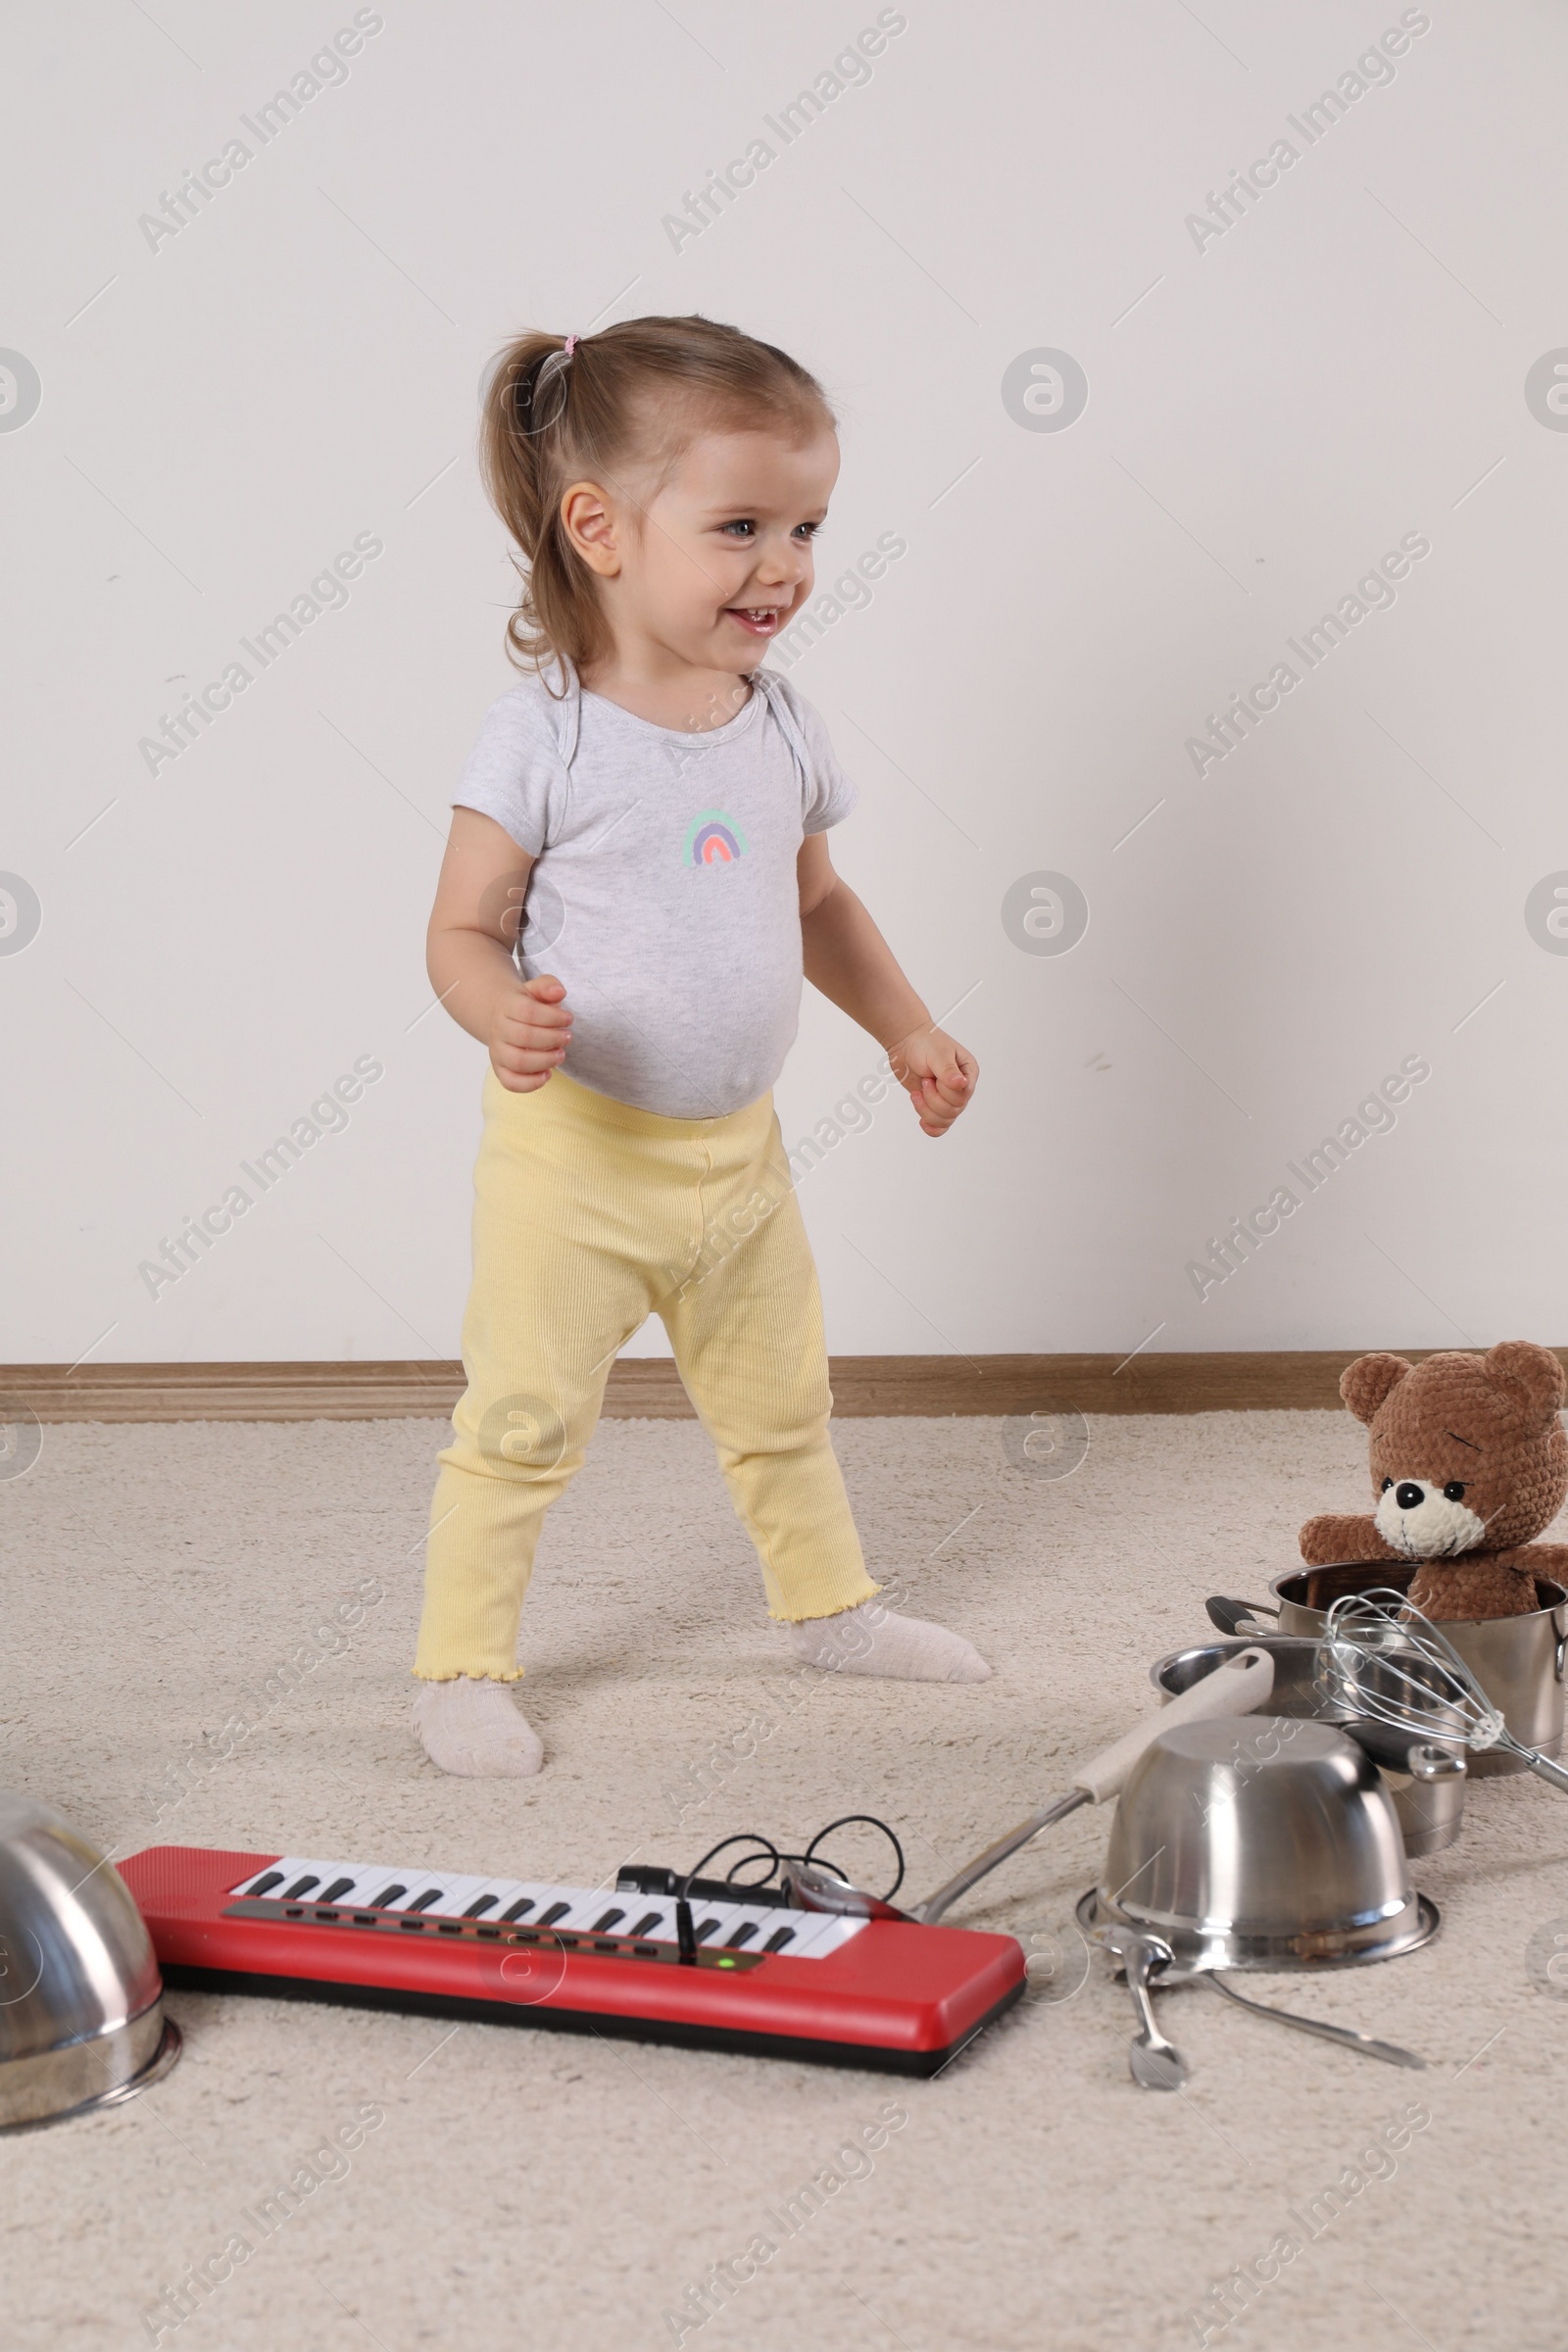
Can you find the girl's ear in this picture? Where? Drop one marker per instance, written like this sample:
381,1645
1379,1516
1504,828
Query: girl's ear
1370,1379
590,526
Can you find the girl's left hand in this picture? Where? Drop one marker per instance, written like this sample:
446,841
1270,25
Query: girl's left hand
938,1074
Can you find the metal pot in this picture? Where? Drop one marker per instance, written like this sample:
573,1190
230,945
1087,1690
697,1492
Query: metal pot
1263,1842
1518,1661
1428,1797
81,2011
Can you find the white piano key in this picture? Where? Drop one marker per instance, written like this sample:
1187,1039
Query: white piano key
804,1928
584,1917
583,1906
287,1868
415,1883
729,1917
501,1892
638,1906
374,1880
337,1883
357,1891
293,1868
763,1920
277,1869
541,1894
371,1879
816,1940
454,1894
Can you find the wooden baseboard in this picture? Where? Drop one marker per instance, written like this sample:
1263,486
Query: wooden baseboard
650,1387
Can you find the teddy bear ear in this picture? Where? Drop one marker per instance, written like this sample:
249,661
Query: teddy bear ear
1530,1377
1365,1383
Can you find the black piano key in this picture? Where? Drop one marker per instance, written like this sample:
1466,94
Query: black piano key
548,1918
299,1888
423,1902
707,1928
266,1883
743,1935
646,1925
339,1887
486,1902
778,1939
611,1919
516,1910
388,1894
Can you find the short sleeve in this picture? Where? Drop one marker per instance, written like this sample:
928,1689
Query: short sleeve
829,797
514,772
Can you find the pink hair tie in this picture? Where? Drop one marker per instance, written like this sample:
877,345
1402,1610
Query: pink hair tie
571,344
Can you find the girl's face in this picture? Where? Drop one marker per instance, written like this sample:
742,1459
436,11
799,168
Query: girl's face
719,560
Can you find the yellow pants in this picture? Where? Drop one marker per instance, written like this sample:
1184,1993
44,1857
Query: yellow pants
590,1215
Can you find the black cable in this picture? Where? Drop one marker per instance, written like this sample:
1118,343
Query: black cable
870,1819
766,1850
741,1838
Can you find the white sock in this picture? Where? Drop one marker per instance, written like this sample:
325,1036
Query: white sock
474,1727
873,1639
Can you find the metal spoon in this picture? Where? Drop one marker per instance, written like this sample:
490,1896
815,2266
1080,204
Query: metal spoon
811,1888
1155,2064
1350,2035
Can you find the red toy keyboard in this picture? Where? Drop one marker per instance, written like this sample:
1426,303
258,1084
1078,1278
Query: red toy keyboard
761,1978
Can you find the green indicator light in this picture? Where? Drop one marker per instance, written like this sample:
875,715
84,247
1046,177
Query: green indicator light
726,1964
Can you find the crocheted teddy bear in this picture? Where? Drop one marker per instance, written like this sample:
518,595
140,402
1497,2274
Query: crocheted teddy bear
1469,1461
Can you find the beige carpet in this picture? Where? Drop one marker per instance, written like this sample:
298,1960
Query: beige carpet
534,2189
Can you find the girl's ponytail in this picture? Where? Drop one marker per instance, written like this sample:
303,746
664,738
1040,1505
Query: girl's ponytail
525,447
560,408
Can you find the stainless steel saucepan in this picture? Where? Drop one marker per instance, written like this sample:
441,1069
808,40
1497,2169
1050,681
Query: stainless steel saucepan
1518,1661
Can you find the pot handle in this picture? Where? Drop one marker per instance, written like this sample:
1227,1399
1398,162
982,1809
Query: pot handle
1231,1616
1241,1684
1420,1757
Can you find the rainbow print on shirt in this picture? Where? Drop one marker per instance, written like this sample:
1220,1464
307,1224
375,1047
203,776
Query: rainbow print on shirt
713,838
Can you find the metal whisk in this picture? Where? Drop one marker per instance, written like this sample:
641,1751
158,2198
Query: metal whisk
1380,1657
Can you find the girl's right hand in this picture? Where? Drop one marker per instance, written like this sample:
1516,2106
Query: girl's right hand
530,1029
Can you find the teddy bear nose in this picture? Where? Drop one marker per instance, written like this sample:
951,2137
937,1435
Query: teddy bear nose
1408,1496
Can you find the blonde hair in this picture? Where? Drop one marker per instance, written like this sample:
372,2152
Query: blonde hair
640,390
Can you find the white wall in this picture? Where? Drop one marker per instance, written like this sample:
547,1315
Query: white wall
1268,413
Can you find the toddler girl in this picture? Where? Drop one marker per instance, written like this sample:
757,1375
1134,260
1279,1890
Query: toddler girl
636,879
